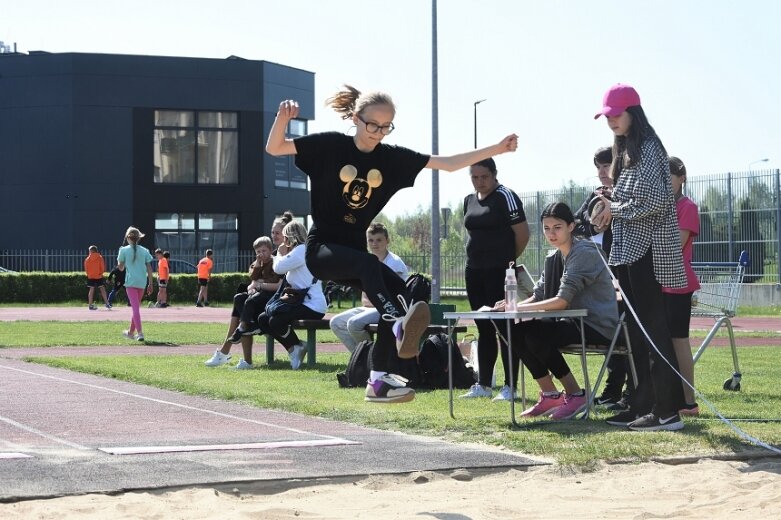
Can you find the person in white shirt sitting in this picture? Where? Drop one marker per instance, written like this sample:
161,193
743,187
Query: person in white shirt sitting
350,325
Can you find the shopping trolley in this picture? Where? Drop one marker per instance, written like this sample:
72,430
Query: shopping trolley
717,298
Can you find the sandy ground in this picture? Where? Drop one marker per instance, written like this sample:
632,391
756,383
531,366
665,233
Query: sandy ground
705,489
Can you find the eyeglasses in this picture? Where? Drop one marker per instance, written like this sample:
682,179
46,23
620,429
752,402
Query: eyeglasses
373,128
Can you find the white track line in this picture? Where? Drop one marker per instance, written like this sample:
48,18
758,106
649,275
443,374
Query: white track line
14,456
135,450
42,434
178,405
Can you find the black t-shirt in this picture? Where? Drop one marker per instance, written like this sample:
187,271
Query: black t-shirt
491,241
350,187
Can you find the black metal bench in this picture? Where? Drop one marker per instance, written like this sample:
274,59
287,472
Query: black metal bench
312,326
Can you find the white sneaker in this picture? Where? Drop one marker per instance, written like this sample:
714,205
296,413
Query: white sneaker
296,355
504,394
243,365
477,390
413,326
139,337
128,335
217,359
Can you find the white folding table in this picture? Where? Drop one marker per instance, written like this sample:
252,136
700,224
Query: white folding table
509,318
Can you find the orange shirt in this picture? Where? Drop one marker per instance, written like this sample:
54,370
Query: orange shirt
162,269
205,267
94,266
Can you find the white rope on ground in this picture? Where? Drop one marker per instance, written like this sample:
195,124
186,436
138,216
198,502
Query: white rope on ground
728,422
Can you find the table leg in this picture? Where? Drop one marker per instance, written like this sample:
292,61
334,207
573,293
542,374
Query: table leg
450,326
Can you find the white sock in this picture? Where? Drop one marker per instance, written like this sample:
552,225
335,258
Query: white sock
374,375
551,394
397,328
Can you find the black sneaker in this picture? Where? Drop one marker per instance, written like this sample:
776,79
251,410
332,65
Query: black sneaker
621,405
252,329
606,400
622,419
198,304
236,336
654,423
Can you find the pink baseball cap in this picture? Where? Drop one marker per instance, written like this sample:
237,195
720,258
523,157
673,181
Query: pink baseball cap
617,99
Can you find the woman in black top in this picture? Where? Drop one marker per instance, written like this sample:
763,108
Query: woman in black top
352,178
497,235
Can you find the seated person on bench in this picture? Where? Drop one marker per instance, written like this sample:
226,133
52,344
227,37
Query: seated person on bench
278,317
350,325
250,299
575,276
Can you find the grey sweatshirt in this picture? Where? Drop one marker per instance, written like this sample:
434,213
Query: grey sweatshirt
586,284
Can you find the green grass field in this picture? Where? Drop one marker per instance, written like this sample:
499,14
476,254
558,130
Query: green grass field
315,392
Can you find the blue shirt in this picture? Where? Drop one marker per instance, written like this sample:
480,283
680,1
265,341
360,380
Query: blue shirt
135,264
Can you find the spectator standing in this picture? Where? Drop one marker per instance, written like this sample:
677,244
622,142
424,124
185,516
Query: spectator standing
350,325
618,368
136,261
163,274
95,268
117,278
497,234
678,302
646,253
205,266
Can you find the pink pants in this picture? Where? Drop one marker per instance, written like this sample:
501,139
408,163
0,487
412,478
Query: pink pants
134,295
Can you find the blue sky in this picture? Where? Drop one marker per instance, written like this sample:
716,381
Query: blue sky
708,72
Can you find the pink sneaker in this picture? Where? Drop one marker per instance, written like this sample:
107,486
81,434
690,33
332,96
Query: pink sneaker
573,405
545,406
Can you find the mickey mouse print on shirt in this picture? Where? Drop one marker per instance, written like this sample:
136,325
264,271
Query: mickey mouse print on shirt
357,192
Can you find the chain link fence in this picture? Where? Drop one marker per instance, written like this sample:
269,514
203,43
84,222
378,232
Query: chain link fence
738,211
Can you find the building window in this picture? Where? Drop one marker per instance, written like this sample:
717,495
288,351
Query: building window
196,147
286,175
190,234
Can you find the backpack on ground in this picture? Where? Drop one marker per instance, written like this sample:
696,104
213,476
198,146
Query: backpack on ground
418,289
433,363
358,367
406,368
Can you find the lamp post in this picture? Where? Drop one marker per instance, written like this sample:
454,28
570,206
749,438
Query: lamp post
752,163
477,103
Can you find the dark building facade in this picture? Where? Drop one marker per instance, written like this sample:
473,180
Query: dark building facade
93,143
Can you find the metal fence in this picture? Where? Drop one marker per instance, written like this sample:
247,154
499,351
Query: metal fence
738,211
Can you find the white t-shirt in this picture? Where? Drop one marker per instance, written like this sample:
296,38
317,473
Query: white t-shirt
393,261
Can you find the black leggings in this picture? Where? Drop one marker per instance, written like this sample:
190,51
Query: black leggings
363,271
238,304
279,326
537,343
659,389
486,287
254,305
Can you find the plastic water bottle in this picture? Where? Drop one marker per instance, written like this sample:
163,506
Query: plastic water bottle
510,290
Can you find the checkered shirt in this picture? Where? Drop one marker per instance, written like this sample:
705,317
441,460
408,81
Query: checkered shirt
644,216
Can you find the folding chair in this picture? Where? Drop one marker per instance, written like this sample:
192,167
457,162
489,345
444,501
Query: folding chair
615,347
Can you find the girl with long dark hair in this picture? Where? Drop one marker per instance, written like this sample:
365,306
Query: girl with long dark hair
646,251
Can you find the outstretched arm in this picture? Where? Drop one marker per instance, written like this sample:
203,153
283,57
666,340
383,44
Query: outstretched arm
452,163
277,143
